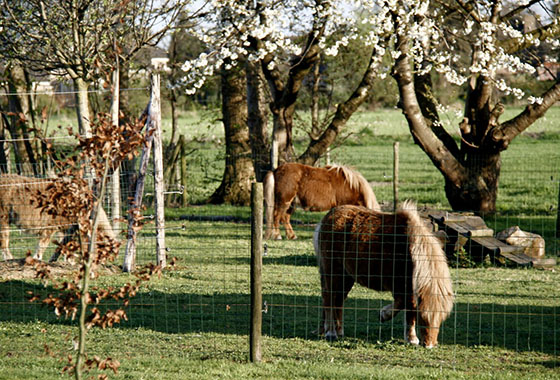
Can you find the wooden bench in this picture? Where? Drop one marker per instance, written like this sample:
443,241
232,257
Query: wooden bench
470,231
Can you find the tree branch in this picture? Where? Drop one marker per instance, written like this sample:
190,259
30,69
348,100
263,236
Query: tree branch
442,158
518,10
514,45
508,130
343,113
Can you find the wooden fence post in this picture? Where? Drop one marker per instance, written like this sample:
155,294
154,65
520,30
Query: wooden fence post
395,175
155,114
256,271
184,196
558,213
116,176
153,124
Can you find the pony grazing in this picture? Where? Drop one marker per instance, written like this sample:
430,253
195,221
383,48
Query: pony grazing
318,189
16,206
383,251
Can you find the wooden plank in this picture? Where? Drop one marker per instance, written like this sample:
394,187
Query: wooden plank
519,258
544,263
483,232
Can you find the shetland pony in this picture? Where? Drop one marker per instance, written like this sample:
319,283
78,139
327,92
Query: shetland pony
16,207
318,189
383,251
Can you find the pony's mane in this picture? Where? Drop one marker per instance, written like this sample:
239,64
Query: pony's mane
431,277
357,182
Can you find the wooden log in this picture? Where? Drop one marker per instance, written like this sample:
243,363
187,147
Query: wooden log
482,232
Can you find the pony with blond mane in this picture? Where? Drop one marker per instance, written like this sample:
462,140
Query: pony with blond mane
317,189
383,251
16,194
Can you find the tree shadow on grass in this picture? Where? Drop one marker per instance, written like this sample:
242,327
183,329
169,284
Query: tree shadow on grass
515,327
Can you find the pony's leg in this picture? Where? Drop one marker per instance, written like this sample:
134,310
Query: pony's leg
348,283
389,311
282,213
5,237
333,303
429,334
290,234
42,245
68,235
279,212
410,320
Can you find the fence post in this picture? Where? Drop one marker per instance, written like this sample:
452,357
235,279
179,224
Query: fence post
183,144
135,208
395,175
558,213
155,115
256,271
116,176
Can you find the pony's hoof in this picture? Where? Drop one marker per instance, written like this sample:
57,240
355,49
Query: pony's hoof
292,237
382,316
414,341
331,337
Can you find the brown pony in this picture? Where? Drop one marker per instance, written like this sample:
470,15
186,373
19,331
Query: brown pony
318,189
383,251
16,207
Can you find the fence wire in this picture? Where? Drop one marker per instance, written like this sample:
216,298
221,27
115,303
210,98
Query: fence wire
205,298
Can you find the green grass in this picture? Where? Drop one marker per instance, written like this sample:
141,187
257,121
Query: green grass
193,322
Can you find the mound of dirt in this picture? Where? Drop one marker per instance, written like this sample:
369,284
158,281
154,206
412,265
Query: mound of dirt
17,269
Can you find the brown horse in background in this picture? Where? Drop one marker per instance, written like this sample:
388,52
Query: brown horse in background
383,251
318,189
16,206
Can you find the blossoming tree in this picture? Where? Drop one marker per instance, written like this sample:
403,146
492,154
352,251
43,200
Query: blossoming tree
285,40
478,46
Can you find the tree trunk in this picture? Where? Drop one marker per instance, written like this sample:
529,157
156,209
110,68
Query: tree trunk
128,167
257,121
283,124
479,189
238,174
471,171
21,111
285,93
82,106
315,128
4,151
174,116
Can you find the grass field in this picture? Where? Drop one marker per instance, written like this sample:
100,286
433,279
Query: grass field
193,322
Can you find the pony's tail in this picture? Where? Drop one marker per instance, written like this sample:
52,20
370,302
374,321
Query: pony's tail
268,195
431,279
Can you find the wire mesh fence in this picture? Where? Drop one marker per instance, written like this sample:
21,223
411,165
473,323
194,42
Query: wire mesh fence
205,298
